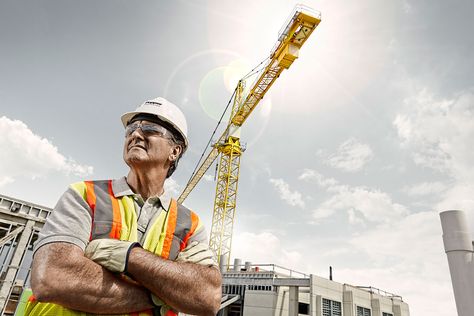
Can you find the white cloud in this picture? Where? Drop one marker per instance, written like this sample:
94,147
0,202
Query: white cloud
293,198
313,175
4,180
412,236
208,177
172,187
25,154
354,218
372,204
322,213
439,132
459,197
425,188
359,202
351,156
269,249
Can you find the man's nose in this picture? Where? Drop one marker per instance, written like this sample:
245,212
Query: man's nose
137,133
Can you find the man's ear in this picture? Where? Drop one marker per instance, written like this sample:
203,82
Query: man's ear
175,152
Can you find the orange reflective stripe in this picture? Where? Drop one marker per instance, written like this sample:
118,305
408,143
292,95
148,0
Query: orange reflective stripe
170,227
91,200
32,298
194,223
90,195
117,219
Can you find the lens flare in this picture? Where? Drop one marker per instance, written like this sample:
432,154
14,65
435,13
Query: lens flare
217,86
213,94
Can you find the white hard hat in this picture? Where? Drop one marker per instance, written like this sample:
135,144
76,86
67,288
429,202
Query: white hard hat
164,110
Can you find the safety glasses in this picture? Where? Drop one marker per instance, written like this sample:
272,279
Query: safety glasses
147,129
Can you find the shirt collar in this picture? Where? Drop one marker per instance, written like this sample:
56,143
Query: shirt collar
121,188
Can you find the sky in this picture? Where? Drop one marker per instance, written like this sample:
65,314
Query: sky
349,158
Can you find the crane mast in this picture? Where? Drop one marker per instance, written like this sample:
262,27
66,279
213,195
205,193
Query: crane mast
293,35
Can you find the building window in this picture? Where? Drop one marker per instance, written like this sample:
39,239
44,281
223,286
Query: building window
303,308
362,311
331,308
386,314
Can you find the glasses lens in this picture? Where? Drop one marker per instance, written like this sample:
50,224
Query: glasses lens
131,128
147,129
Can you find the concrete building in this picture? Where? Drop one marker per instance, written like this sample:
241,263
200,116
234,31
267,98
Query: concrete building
248,290
270,290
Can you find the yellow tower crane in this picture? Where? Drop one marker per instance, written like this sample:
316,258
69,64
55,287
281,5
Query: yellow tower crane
293,35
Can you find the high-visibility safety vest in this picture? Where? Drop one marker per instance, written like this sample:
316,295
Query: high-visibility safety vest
116,217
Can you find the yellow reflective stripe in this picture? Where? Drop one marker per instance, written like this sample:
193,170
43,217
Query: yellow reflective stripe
155,236
50,309
27,307
80,188
199,225
129,219
24,298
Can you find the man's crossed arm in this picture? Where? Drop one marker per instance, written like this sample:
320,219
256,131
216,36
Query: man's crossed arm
63,275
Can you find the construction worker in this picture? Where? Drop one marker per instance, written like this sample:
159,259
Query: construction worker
124,246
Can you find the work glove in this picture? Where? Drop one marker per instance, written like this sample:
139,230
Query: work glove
112,254
199,253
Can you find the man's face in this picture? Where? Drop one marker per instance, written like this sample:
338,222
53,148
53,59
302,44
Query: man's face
148,144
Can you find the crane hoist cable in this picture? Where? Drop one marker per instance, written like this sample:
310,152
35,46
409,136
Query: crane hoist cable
249,74
252,72
213,133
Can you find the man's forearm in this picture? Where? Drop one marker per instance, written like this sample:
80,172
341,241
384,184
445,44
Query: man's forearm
187,287
62,275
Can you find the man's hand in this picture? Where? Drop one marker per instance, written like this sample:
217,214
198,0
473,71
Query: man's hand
198,253
112,254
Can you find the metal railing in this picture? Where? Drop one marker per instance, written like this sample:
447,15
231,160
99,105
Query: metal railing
375,290
266,267
23,208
